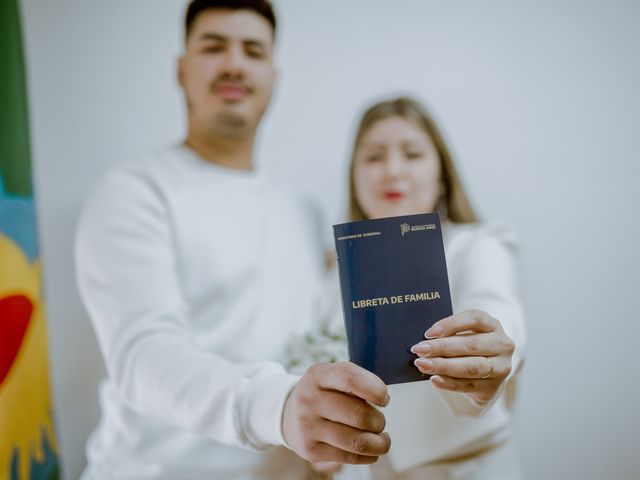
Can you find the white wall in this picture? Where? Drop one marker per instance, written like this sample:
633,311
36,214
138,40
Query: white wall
540,100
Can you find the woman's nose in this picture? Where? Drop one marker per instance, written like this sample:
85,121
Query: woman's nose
394,166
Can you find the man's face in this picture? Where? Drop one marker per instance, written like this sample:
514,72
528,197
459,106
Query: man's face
227,71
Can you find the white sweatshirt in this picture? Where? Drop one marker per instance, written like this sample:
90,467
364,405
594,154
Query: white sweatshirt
194,276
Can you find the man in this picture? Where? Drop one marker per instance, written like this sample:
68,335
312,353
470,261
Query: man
195,271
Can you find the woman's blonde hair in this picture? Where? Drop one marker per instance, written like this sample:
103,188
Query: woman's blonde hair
454,205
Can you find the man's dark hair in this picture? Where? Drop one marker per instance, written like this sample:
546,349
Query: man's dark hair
261,7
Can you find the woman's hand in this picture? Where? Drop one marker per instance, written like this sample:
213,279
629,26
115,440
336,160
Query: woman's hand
467,352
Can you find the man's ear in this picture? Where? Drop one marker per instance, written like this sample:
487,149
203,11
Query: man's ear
180,70
274,82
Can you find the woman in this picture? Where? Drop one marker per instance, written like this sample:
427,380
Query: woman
457,424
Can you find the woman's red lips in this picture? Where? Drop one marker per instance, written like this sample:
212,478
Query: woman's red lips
393,195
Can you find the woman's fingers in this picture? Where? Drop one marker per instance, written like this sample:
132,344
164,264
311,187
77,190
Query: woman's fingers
476,320
465,368
482,390
468,352
463,345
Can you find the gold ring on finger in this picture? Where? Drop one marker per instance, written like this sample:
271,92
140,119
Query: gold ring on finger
490,371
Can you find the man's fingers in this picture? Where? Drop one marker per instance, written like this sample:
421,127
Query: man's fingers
350,411
323,452
323,402
465,368
352,440
349,378
461,345
461,322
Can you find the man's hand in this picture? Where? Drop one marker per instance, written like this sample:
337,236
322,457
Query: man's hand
467,352
327,417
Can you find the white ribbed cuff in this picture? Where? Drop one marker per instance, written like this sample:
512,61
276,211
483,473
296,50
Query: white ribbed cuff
265,408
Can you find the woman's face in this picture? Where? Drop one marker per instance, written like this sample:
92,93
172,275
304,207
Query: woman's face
397,170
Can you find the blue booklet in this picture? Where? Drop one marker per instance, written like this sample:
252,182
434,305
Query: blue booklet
394,286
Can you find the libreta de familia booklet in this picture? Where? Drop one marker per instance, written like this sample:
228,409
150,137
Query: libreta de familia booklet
394,286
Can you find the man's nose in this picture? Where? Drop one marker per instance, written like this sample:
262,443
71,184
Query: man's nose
234,62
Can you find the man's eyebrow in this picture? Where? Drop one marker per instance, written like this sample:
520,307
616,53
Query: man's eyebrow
221,38
213,36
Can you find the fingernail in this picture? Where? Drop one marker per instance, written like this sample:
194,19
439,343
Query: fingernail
386,400
424,363
422,348
433,332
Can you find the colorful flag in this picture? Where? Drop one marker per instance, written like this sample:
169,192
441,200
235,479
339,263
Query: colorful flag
28,448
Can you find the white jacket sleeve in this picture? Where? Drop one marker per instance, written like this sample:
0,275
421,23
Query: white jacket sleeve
484,277
127,277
